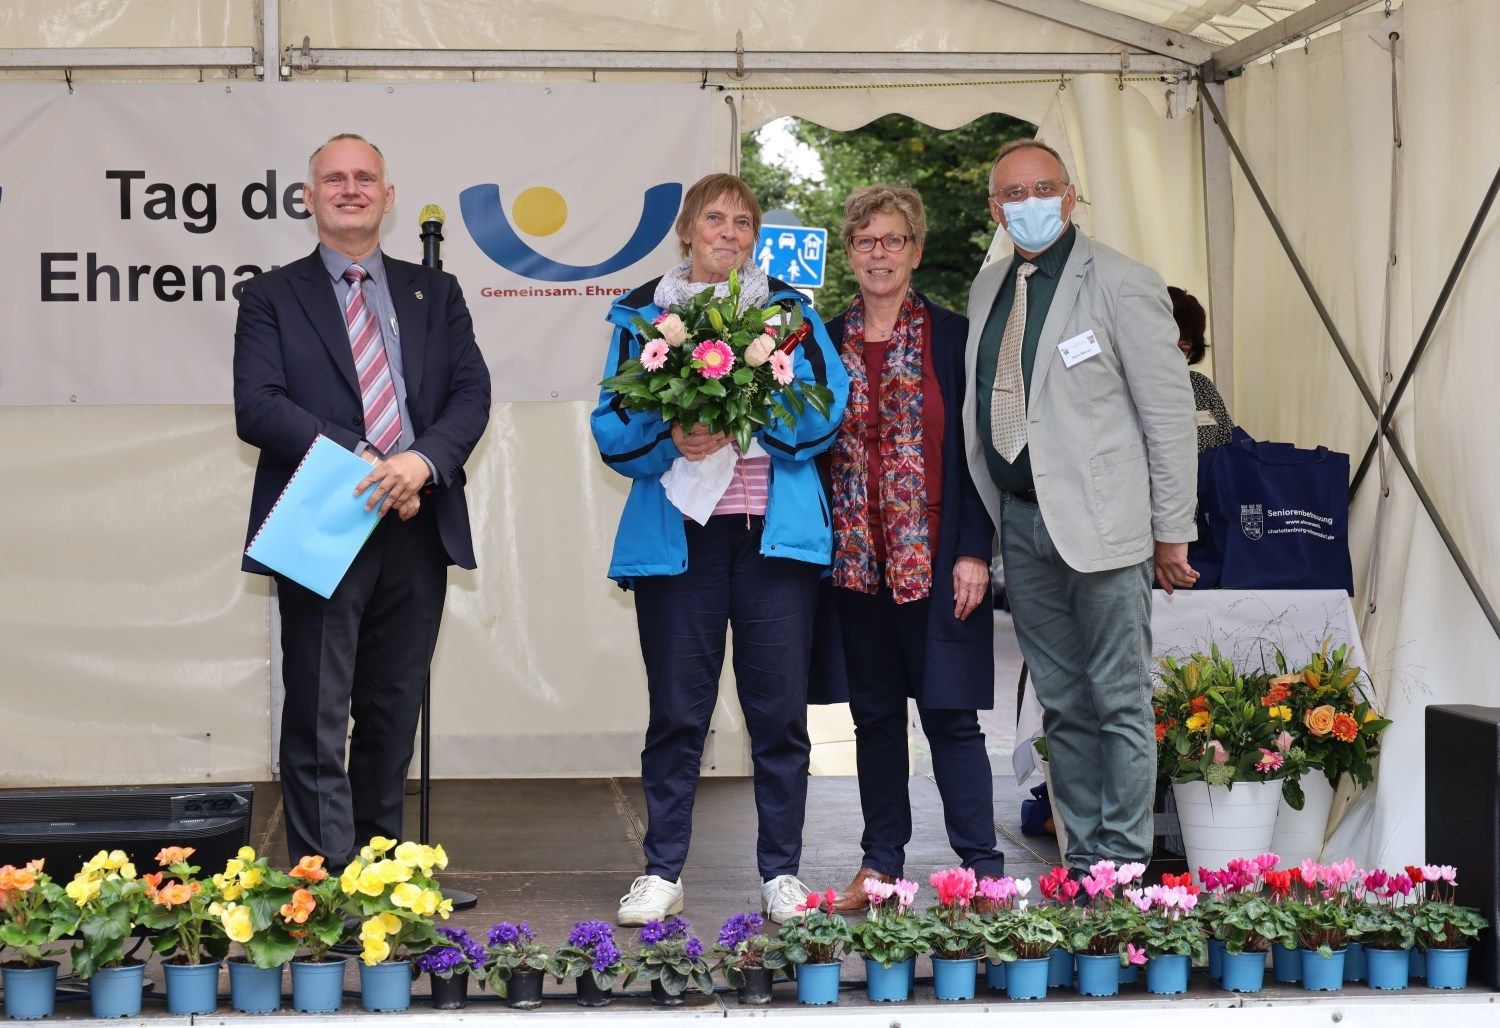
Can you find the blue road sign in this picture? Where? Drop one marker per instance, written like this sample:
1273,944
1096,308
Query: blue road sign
794,254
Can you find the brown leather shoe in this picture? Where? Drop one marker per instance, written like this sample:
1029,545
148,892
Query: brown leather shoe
855,898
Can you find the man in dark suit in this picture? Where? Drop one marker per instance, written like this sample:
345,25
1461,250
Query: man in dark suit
379,356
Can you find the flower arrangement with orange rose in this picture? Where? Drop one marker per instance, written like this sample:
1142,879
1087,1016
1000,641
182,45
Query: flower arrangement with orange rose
34,912
1334,726
314,915
391,887
181,911
1211,725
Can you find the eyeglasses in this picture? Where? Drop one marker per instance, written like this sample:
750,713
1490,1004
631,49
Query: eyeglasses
1043,189
892,243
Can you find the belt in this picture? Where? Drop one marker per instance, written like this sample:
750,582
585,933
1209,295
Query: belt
1028,495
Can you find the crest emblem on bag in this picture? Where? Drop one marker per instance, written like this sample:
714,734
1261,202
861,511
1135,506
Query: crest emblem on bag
1252,520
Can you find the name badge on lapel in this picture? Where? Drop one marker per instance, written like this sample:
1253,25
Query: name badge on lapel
1079,348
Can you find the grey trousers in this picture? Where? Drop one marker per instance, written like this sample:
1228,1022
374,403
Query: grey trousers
1086,637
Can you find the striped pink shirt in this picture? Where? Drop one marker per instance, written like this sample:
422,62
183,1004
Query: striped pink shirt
749,489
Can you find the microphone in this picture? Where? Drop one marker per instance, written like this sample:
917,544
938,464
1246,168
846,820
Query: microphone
431,220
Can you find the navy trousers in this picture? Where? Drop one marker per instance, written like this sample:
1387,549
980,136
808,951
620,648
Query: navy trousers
682,620
885,649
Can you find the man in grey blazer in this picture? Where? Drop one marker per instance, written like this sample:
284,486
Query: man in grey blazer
1084,452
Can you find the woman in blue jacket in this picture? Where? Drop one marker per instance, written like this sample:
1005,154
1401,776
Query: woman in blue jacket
912,544
754,564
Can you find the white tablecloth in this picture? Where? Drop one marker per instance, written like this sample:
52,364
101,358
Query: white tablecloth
1248,627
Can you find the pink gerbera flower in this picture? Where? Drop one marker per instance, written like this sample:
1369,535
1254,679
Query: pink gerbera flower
1270,760
715,358
781,368
654,355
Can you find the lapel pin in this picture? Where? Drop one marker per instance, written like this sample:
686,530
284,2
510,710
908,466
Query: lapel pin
419,294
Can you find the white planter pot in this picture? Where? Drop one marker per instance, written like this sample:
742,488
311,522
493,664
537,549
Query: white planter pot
1299,833
1057,820
1220,824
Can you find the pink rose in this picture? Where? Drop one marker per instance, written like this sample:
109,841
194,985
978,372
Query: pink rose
781,368
1216,749
759,351
654,355
671,328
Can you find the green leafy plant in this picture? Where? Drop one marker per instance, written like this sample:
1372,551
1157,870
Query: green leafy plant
893,932
181,911
1384,926
314,916
816,935
1252,923
34,912
1023,932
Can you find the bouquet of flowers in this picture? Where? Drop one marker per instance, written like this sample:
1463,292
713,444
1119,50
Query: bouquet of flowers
707,361
1212,727
1334,727
950,928
892,934
391,886
458,954
1439,922
672,955
181,911
743,947
512,947
314,914
34,911
816,935
1105,924
248,897
590,949
109,903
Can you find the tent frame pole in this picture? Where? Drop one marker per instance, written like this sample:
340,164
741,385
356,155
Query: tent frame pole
1397,450
1218,218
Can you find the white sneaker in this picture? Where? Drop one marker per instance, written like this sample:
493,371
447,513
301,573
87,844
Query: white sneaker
650,898
780,897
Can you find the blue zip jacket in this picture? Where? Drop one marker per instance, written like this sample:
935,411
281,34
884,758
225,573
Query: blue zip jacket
650,539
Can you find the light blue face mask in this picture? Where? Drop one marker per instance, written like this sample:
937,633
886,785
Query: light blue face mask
1035,223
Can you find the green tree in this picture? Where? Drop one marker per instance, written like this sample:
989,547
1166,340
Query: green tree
948,167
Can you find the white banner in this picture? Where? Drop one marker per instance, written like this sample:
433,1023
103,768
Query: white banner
130,214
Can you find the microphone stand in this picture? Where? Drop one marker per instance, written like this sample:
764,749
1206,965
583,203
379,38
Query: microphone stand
432,239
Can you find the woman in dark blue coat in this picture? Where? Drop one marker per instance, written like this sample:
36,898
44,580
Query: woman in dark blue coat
912,545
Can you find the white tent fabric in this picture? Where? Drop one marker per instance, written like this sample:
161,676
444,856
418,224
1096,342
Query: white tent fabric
138,652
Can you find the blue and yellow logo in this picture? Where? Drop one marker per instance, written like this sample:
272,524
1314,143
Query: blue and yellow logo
540,211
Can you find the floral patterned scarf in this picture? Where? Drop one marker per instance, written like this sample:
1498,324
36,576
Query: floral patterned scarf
903,481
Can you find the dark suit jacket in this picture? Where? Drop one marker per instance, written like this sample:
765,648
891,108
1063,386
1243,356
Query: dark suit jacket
960,666
294,379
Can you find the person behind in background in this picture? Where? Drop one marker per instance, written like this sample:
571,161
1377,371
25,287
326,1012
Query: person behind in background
911,548
1214,426
754,566
379,356
1081,445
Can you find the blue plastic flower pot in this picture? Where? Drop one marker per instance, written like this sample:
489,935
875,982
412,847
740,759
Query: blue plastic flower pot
1416,969
1354,963
192,988
116,991
1130,974
994,974
1387,968
1166,974
954,979
30,992
1060,969
385,986
254,990
1320,973
318,985
1447,968
1099,976
1027,979
888,984
1215,959
818,984
1286,964
1244,972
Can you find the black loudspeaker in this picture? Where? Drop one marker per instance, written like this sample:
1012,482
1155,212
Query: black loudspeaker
68,826
1463,815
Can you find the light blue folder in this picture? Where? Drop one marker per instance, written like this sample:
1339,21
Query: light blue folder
318,525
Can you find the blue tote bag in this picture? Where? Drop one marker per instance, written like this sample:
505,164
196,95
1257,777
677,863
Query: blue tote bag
1272,516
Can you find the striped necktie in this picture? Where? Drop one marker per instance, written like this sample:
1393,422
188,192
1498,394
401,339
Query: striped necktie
376,388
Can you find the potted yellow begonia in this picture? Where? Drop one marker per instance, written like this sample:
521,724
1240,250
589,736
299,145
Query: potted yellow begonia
251,894
110,901
391,887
